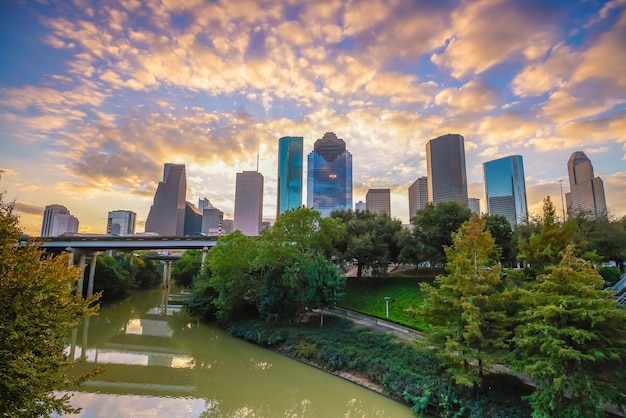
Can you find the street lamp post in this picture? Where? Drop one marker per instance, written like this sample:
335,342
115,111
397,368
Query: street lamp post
387,306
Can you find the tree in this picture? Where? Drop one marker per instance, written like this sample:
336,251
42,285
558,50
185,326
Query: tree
544,249
500,229
372,239
111,280
325,285
186,268
571,341
464,309
147,273
233,276
432,232
38,305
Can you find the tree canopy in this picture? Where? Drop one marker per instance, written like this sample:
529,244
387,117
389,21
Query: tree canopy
38,305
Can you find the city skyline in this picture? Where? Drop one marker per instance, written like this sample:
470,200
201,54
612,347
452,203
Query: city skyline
97,95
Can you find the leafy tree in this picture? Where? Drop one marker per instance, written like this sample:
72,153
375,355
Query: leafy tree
432,232
572,342
186,268
324,284
201,301
112,280
233,276
501,231
372,239
147,273
38,305
464,309
544,249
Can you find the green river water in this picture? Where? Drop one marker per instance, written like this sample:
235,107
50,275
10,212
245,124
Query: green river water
160,363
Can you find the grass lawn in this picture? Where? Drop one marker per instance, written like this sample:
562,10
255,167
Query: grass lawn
367,295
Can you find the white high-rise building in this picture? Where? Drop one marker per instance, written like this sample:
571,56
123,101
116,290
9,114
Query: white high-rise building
447,179
418,196
474,205
167,213
586,190
121,222
378,201
64,223
48,218
249,202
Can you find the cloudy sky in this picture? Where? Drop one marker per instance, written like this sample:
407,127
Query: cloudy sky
95,96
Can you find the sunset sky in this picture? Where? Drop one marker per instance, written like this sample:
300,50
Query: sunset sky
95,96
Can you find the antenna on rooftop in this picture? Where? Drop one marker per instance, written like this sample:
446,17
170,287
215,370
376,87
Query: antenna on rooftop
258,147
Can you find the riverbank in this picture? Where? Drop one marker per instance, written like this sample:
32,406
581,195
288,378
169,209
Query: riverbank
387,365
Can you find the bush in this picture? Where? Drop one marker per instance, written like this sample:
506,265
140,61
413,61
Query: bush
610,275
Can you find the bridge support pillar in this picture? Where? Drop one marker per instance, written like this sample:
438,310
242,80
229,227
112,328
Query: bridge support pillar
92,274
205,251
167,273
82,261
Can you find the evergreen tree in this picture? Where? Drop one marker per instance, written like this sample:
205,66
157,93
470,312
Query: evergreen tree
464,309
572,342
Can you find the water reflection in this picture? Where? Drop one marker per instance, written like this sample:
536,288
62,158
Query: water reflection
158,362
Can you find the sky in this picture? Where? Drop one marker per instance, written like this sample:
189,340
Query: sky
96,96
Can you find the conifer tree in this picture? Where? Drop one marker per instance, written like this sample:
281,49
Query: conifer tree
464,309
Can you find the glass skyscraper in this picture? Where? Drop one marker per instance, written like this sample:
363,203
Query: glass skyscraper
505,189
329,175
289,173
167,214
445,159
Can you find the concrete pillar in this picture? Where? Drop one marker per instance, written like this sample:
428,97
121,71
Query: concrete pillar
169,273
70,262
85,336
165,282
205,251
81,265
92,274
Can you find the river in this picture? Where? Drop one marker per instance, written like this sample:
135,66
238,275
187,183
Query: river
159,363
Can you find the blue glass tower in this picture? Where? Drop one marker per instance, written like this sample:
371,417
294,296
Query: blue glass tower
289,173
505,189
329,175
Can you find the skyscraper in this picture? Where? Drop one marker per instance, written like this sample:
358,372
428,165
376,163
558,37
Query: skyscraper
167,213
586,191
329,175
360,205
378,201
418,196
212,218
62,223
447,180
474,205
505,189
48,218
193,220
121,222
249,202
289,173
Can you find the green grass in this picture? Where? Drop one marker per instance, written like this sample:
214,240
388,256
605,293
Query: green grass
367,295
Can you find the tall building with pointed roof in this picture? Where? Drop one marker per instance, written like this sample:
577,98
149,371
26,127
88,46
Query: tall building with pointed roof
167,213
329,175
586,190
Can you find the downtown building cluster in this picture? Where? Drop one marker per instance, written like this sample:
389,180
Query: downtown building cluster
329,188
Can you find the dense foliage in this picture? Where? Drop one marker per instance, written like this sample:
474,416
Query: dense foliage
38,305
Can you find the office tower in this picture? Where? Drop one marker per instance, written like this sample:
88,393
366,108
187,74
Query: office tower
121,222
193,220
227,226
378,201
48,217
474,205
249,202
167,213
360,205
505,189
289,173
447,180
418,196
212,218
586,191
63,223
329,175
